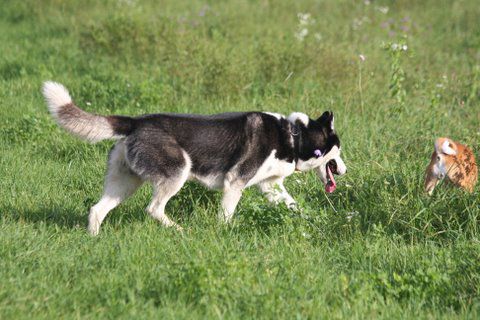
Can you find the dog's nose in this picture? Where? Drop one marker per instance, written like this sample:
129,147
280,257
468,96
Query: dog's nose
341,171
341,167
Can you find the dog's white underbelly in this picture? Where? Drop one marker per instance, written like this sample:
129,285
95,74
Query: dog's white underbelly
212,181
271,167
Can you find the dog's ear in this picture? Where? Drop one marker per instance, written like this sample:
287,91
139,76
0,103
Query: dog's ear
327,120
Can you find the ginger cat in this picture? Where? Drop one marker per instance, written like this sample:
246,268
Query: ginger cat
454,161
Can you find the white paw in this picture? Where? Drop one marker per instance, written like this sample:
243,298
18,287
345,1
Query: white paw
177,227
224,216
294,206
94,228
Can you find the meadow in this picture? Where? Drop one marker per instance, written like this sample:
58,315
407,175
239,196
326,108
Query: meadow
397,75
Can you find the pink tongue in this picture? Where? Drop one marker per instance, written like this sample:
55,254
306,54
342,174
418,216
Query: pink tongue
331,185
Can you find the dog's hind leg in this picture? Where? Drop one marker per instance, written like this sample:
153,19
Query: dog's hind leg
164,188
163,191
120,183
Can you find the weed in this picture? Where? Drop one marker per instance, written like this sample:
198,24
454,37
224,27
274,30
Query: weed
397,78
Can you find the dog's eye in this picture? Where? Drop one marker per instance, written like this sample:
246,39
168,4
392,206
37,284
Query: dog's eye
438,158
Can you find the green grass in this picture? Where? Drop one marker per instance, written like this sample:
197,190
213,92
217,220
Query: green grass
402,255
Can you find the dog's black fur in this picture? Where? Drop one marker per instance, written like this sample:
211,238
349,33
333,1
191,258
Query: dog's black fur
216,143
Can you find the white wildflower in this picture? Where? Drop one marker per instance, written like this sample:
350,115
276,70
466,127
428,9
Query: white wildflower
301,34
88,103
362,57
304,20
130,3
383,10
350,215
303,16
305,235
358,22
404,47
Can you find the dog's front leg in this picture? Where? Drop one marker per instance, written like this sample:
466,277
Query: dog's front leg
231,196
276,192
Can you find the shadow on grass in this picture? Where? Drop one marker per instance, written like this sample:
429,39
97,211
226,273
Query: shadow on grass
62,217
187,202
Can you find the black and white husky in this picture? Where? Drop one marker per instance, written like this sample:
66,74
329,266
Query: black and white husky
229,151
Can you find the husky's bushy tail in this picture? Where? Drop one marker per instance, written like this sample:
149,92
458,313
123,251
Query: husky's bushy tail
88,126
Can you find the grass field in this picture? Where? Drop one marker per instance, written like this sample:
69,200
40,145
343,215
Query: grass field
376,248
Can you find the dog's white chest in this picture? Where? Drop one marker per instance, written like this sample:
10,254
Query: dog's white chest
272,167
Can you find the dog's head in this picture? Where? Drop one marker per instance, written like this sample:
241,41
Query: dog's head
319,148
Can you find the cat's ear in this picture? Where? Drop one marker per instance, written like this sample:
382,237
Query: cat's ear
446,146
